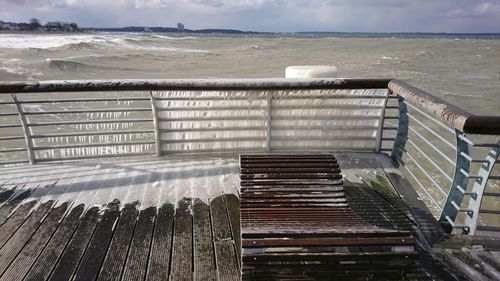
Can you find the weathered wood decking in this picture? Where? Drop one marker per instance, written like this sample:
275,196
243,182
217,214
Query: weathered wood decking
175,218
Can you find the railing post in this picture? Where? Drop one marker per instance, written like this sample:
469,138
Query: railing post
26,130
268,121
380,129
479,187
402,135
458,186
156,125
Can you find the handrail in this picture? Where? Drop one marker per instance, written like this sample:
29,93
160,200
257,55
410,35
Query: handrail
190,85
456,117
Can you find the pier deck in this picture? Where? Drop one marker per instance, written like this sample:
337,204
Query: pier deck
177,218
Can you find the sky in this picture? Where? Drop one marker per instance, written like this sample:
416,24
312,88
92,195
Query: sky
467,16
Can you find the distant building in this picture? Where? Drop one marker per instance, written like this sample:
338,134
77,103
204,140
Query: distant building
58,26
180,27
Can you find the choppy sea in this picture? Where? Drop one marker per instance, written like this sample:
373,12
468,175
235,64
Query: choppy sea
464,70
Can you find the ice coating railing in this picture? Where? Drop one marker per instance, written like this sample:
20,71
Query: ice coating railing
67,120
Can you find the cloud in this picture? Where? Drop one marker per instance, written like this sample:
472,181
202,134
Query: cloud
270,15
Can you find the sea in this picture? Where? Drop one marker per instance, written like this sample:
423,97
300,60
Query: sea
462,69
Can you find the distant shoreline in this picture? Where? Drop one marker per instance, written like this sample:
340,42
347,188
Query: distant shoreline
229,32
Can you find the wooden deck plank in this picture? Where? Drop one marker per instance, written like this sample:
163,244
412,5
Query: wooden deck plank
94,255
15,221
25,259
227,263
159,259
112,267
204,253
220,220
182,254
73,253
233,210
10,205
17,241
50,255
137,260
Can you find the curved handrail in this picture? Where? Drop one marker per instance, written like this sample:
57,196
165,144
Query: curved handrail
456,117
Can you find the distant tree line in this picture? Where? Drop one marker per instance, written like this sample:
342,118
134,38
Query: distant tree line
35,24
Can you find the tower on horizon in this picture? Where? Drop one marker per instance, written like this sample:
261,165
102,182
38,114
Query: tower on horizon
180,27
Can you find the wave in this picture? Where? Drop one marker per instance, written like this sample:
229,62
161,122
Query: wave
18,68
78,42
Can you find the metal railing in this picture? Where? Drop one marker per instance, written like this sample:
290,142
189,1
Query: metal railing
423,134
442,162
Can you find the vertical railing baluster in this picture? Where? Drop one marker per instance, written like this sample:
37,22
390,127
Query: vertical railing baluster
458,186
380,129
156,125
268,121
26,130
402,135
479,187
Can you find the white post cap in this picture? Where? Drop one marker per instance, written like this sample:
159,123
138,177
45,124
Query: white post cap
311,71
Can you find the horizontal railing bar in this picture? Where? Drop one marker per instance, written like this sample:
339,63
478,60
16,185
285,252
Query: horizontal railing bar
262,97
14,162
457,207
81,134
466,156
328,106
12,149
92,145
277,117
87,111
212,129
465,139
214,118
326,117
392,107
427,175
431,197
327,127
322,148
428,158
388,139
494,178
191,85
467,175
11,138
464,192
9,114
90,122
210,108
491,194
433,119
322,138
215,140
386,149
95,156
491,212
433,146
218,150
390,128
83,100
486,144
10,126
432,131
488,228
391,117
